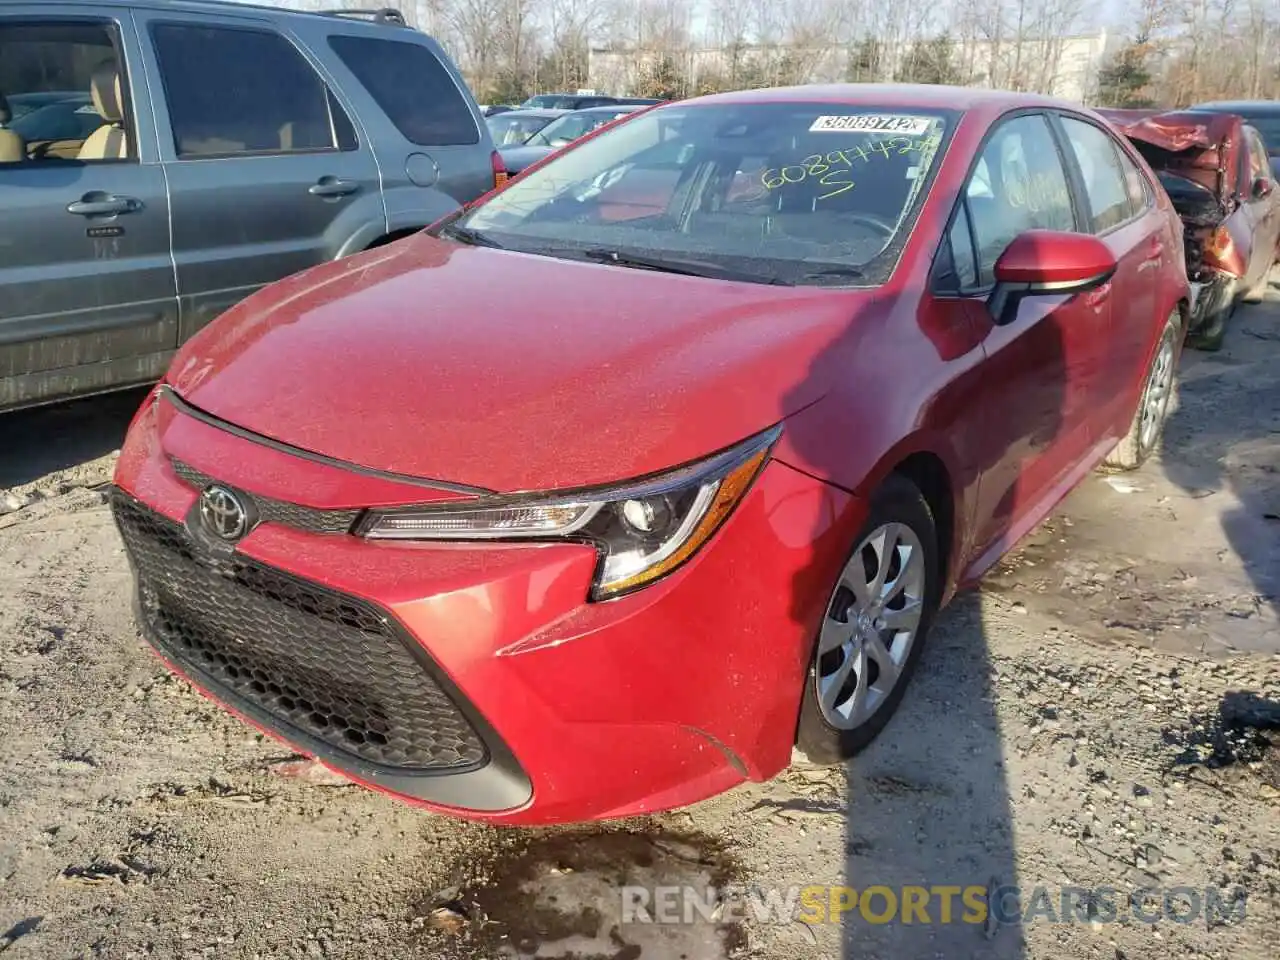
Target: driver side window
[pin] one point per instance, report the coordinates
(1018, 184)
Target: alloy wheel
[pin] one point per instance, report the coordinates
(1156, 398)
(870, 625)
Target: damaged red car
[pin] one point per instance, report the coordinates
(603, 494)
(1217, 172)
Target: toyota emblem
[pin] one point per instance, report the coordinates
(223, 514)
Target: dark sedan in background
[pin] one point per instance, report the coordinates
(581, 101)
(560, 133)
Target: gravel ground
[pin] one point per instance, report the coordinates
(1098, 715)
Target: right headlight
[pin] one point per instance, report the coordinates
(643, 530)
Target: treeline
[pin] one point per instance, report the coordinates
(1169, 52)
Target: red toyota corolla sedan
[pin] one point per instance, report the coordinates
(601, 495)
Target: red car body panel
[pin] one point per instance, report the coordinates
(539, 403)
(563, 680)
(374, 375)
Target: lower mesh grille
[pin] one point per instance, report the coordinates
(327, 664)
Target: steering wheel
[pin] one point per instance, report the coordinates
(875, 223)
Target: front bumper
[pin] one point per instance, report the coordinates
(476, 678)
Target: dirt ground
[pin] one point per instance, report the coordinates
(1097, 715)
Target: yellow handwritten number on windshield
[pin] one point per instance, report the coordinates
(813, 166)
(835, 169)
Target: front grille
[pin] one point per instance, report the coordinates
(318, 661)
(279, 511)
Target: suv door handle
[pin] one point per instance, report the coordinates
(103, 205)
(333, 187)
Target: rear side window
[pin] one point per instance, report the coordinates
(232, 91)
(412, 87)
(1104, 181)
(1136, 184)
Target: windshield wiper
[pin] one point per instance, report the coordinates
(466, 235)
(847, 273)
(686, 268)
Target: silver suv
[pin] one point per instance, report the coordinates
(159, 161)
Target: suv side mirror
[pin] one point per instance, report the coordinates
(1041, 263)
(1262, 187)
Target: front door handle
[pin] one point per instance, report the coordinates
(333, 187)
(103, 205)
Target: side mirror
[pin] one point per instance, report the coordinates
(1043, 263)
(1262, 187)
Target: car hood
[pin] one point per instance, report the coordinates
(510, 371)
(516, 159)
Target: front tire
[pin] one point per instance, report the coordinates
(1211, 332)
(1258, 292)
(1158, 391)
(874, 627)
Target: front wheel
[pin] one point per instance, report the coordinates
(1258, 292)
(1158, 391)
(874, 627)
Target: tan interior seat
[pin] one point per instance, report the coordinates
(109, 141)
(13, 149)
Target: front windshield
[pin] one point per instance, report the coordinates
(512, 131)
(776, 192)
(569, 128)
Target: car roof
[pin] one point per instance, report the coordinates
(910, 95)
(544, 112)
(1256, 107)
(612, 108)
(236, 6)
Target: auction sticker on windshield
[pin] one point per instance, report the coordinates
(871, 123)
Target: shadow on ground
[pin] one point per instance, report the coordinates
(929, 807)
(1223, 439)
(44, 440)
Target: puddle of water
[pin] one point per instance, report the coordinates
(559, 894)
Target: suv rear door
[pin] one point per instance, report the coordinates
(432, 144)
(87, 295)
(268, 174)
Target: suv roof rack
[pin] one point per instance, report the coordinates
(383, 15)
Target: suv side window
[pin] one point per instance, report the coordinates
(236, 90)
(1018, 184)
(63, 94)
(412, 87)
(1104, 181)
